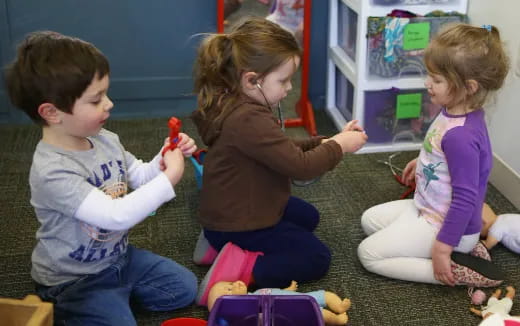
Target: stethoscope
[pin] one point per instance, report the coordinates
(298, 183)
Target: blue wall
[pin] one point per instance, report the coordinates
(151, 46)
(318, 64)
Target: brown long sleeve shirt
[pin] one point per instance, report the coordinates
(248, 167)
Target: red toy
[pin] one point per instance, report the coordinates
(175, 126)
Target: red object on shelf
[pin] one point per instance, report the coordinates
(304, 106)
(184, 322)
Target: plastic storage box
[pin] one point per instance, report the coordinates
(396, 45)
(411, 2)
(266, 310)
(347, 30)
(395, 115)
(344, 95)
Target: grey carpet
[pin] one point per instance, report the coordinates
(357, 183)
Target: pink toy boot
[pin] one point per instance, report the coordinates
(232, 264)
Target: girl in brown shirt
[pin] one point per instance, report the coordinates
(245, 196)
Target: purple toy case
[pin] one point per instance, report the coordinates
(266, 310)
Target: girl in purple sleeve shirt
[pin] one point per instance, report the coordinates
(413, 239)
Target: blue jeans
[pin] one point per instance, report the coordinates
(155, 283)
(291, 250)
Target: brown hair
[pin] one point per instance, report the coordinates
(256, 45)
(52, 68)
(463, 52)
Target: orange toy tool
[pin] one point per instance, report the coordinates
(175, 126)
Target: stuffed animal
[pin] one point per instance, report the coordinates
(503, 228)
(336, 314)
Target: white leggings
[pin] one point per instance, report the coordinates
(399, 242)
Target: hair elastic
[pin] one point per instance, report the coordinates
(487, 27)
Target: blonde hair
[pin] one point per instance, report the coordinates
(256, 45)
(463, 52)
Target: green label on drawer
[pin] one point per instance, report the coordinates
(416, 36)
(408, 106)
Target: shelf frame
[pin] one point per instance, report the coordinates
(356, 70)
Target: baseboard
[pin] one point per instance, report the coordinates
(506, 180)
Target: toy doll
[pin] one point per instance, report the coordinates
(497, 306)
(503, 228)
(337, 315)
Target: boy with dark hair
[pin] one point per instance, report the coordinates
(79, 176)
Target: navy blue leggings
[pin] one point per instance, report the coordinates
(291, 250)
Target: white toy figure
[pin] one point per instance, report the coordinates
(497, 306)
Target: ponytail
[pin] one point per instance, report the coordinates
(215, 77)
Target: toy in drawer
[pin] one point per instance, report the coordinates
(395, 115)
(347, 30)
(266, 310)
(396, 45)
(412, 2)
(344, 95)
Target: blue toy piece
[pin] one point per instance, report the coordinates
(198, 160)
(222, 322)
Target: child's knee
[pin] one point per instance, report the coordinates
(366, 254)
(319, 261)
(368, 221)
(173, 292)
(189, 290)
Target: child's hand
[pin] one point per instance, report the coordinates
(350, 141)
(409, 172)
(173, 163)
(441, 260)
(186, 144)
(353, 126)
